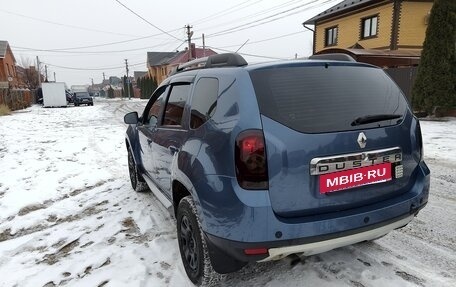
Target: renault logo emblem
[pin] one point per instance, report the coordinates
(362, 140)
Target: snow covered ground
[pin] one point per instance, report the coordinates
(68, 216)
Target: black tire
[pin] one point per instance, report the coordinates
(137, 182)
(193, 247)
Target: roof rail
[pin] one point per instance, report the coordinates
(193, 64)
(218, 60)
(333, 56)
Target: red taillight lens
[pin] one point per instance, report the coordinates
(251, 164)
(256, 251)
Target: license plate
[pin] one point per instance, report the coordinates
(346, 179)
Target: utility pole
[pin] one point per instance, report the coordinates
(189, 39)
(54, 78)
(46, 72)
(38, 69)
(204, 47)
(128, 79)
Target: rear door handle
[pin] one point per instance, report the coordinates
(173, 149)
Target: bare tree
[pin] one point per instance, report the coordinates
(29, 73)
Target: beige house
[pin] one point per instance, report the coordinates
(372, 24)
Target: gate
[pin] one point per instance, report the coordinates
(404, 78)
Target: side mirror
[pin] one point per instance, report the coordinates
(131, 118)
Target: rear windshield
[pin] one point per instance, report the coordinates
(317, 99)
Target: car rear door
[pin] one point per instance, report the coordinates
(148, 128)
(171, 133)
(338, 136)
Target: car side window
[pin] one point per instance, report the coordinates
(151, 115)
(175, 106)
(204, 101)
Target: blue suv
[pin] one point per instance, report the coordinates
(257, 162)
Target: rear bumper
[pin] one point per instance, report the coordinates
(306, 245)
(246, 221)
(329, 244)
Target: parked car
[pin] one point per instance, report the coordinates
(257, 162)
(69, 96)
(82, 98)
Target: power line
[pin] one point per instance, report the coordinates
(108, 52)
(183, 42)
(227, 11)
(89, 52)
(266, 19)
(91, 46)
(142, 38)
(156, 27)
(61, 24)
(245, 54)
(94, 69)
(21, 49)
(268, 39)
(250, 16)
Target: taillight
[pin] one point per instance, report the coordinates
(251, 164)
(419, 139)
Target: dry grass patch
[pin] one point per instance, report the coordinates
(4, 110)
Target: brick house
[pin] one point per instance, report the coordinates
(8, 73)
(160, 64)
(372, 24)
(385, 33)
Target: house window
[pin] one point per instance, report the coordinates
(369, 27)
(331, 36)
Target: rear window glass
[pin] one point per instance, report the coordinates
(317, 99)
(175, 107)
(204, 101)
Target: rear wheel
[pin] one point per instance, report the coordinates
(193, 247)
(137, 182)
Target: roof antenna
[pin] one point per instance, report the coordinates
(242, 45)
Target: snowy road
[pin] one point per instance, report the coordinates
(68, 216)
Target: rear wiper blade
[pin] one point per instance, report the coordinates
(374, 118)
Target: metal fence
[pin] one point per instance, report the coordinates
(404, 78)
(16, 99)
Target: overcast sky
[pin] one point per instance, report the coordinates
(89, 37)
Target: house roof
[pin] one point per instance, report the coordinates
(139, 74)
(3, 48)
(175, 58)
(381, 58)
(159, 58)
(183, 56)
(375, 52)
(343, 6)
